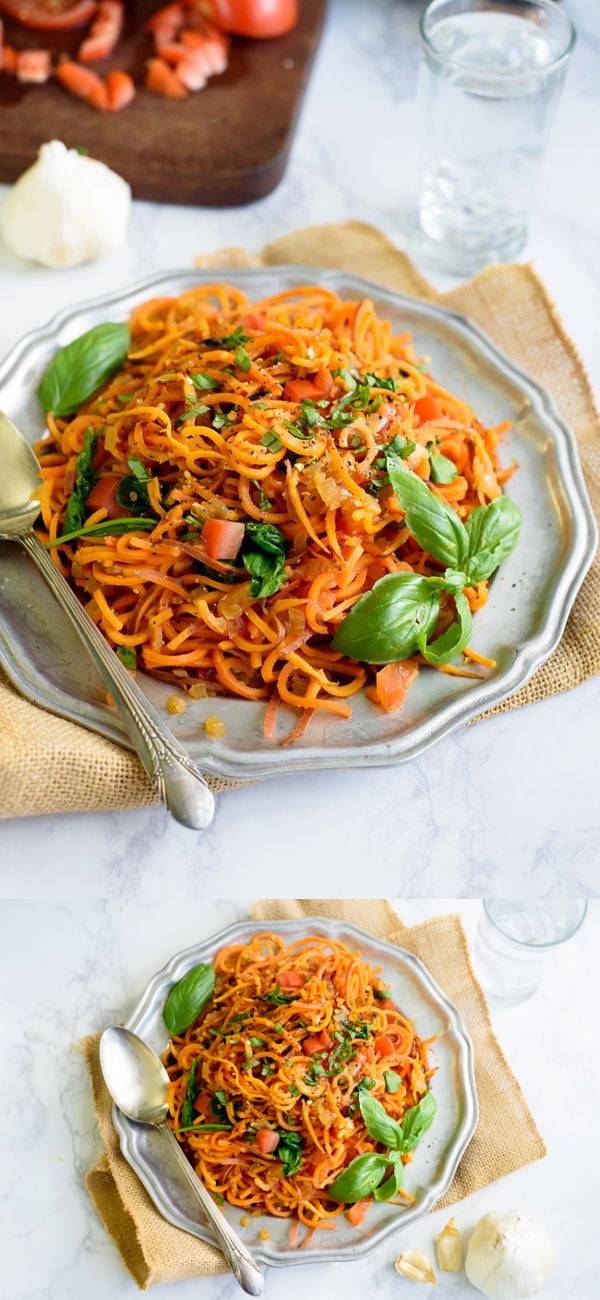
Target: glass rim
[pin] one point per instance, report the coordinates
(547, 6)
(525, 943)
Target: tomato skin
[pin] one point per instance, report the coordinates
(44, 18)
(325, 382)
(290, 979)
(255, 18)
(384, 1046)
(428, 408)
(103, 497)
(267, 1141)
(222, 538)
(253, 321)
(301, 390)
(392, 681)
(356, 1213)
(202, 1104)
(317, 1043)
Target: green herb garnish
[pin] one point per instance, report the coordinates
(77, 371)
(188, 997)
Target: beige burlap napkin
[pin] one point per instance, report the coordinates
(506, 1137)
(49, 765)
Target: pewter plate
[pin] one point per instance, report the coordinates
(519, 627)
(436, 1158)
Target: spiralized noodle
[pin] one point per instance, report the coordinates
(192, 620)
(284, 1044)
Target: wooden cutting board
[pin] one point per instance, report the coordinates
(226, 145)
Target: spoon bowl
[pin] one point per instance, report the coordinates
(134, 1075)
(19, 480)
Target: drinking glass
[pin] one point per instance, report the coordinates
(490, 80)
(515, 939)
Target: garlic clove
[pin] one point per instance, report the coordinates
(509, 1256)
(448, 1245)
(415, 1265)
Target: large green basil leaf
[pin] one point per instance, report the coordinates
(434, 525)
(454, 639)
(392, 1184)
(379, 1124)
(386, 623)
(77, 370)
(187, 998)
(417, 1121)
(493, 532)
(360, 1179)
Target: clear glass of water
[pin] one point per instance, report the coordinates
(490, 80)
(515, 939)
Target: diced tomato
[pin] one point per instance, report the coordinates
(253, 321)
(104, 33)
(392, 681)
(166, 22)
(50, 15)
(384, 1046)
(8, 59)
(255, 18)
(325, 382)
(202, 1104)
(356, 1212)
(103, 496)
(120, 89)
(388, 1005)
(222, 538)
(83, 82)
(428, 408)
(33, 66)
(301, 390)
(317, 1043)
(290, 979)
(267, 1141)
(161, 79)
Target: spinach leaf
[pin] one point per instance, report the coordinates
(436, 527)
(443, 470)
(360, 1179)
(227, 340)
(77, 370)
(106, 528)
(187, 998)
(289, 1151)
(127, 656)
(392, 1081)
(492, 533)
(391, 1184)
(132, 491)
(187, 1110)
(263, 557)
(278, 999)
(454, 639)
(84, 481)
(416, 1122)
(386, 623)
(379, 1124)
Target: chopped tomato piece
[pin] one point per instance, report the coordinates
(82, 82)
(120, 90)
(222, 538)
(267, 1141)
(161, 79)
(103, 496)
(384, 1046)
(317, 1043)
(356, 1213)
(104, 32)
(202, 1103)
(50, 15)
(8, 59)
(428, 408)
(392, 681)
(255, 18)
(290, 979)
(301, 390)
(325, 382)
(33, 66)
(388, 1005)
(253, 321)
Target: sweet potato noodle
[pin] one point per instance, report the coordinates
(290, 1035)
(272, 413)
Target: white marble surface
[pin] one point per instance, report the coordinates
(507, 806)
(72, 967)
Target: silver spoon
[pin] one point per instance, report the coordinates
(176, 780)
(137, 1081)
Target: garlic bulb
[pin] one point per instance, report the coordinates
(510, 1256)
(66, 209)
(449, 1248)
(415, 1265)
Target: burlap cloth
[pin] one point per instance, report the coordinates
(49, 765)
(505, 1140)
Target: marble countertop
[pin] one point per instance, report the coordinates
(74, 967)
(486, 810)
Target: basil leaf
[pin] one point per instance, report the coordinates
(187, 998)
(263, 557)
(359, 1180)
(138, 469)
(289, 1151)
(454, 639)
(126, 655)
(379, 1124)
(84, 481)
(227, 341)
(443, 470)
(391, 1184)
(392, 1081)
(434, 525)
(492, 532)
(78, 370)
(386, 623)
(243, 359)
(132, 494)
(416, 1122)
(204, 381)
(106, 528)
(187, 1110)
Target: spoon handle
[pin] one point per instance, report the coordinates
(176, 780)
(245, 1271)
